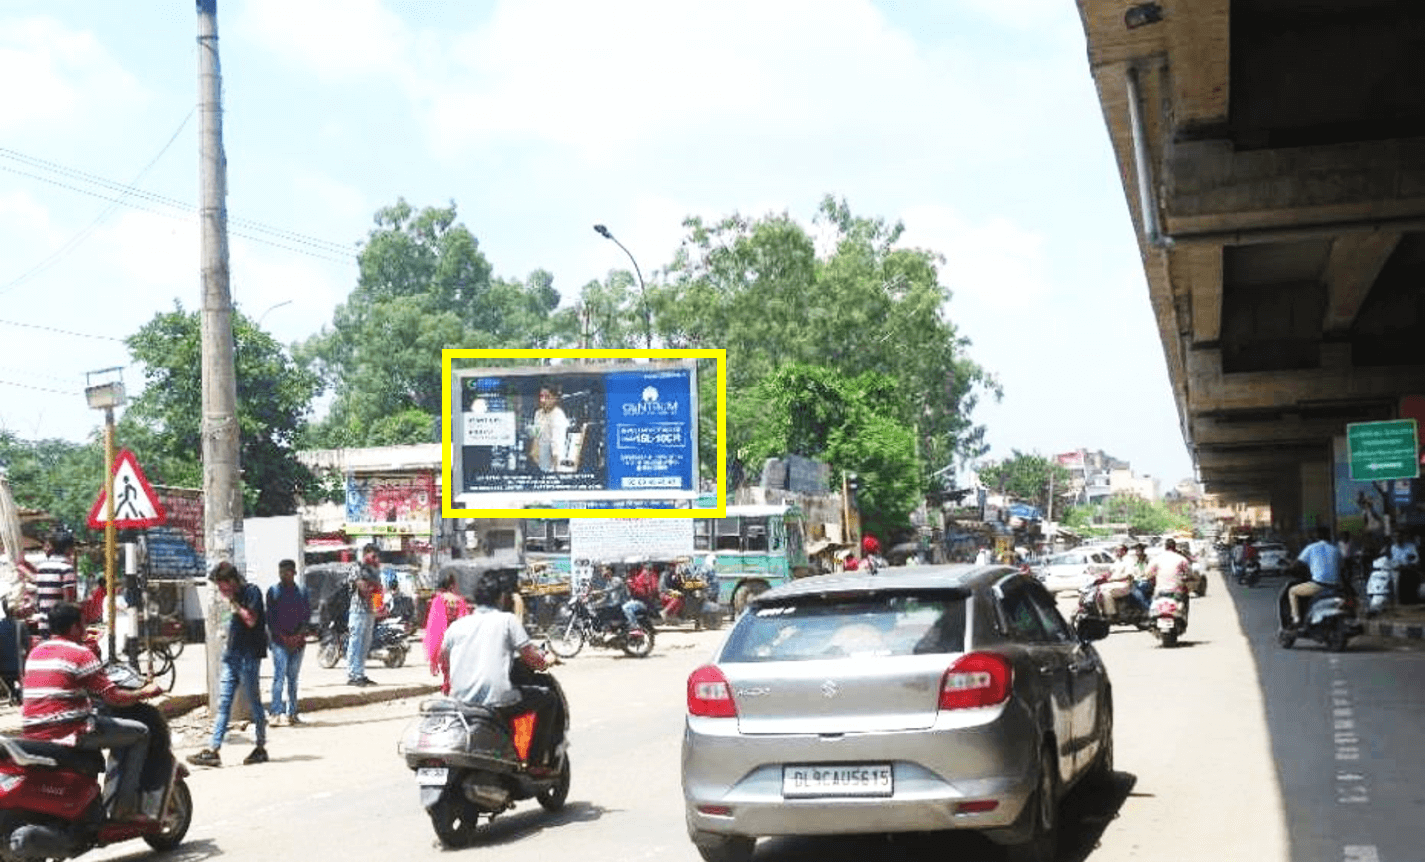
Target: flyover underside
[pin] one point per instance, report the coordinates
(1280, 214)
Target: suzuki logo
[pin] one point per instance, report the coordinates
(829, 689)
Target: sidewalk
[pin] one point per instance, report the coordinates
(1402, 621)
(318, 687)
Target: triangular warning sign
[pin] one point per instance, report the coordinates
(135, 503)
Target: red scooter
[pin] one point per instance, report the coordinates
(51, 804)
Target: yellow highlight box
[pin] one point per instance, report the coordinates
(447, 508)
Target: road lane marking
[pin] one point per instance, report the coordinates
(1360, 853)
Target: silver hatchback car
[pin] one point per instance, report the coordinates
(949, 697)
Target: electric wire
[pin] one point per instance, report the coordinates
(59, 331)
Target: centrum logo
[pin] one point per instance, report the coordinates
(650, 405)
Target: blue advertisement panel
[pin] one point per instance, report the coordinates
(576, 432)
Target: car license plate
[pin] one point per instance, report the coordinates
(432, 776)
(845, 779)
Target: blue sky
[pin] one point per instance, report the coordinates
(975, 122)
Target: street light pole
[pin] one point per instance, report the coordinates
(642, 290)
(271, 308)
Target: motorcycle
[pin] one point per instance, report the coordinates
(1169, 617)
(1131, 610)
(1330, 618)
(577, 624)
(51, 804)
(470, 762)
(1380, 585)
(390, 642)
(697, 608)
(1249, 572)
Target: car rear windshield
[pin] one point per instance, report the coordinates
(810, 627)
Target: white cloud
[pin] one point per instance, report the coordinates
(994, 263)
(333, 39)
(53, 74)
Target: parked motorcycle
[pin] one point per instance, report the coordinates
(1169, 615)
(390, 642)
(1381, 585)
(51, 804)
(1330, 618)
(577, 624)
(470, 762)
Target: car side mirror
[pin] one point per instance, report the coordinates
(1092, 629)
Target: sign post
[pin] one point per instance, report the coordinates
(127, 502)
(1383, 450)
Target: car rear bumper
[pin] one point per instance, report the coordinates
(732, 784)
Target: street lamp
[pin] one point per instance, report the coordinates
(104, 390)
(642, 291)
(263, 316)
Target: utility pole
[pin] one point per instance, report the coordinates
(222, 495)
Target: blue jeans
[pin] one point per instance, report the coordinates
(285, 667)
(239, 671)
(630, 612)
(358, 644)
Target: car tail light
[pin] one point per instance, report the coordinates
(976, 679)
(709, 695)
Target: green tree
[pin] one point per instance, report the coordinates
(424, 285)
(850, 423)
(54, 476)
(759, 288)
(1031, 478)
(274, 396)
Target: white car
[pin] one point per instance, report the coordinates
(1273, 556)
(1071, 570)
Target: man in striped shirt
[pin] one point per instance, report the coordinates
(61, 675)
(54, 580)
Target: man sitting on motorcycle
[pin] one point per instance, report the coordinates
(61, 675)
(613, 593)
(1169, 571)
(1324, 560)
(671, 588)
(477, 656)
(1116, 584)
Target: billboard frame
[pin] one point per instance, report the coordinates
(448, 422)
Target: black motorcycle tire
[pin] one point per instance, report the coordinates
(455, 820)
(1337, 636)
(552, 800)
(176, 819)
(1251, 577)
(639, 647)
(567, 637)
(1169, 638)
(395, 656)
(1286, 639)
(330, 653)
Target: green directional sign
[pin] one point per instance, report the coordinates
(1383, 450)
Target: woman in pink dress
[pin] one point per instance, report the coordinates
(446, 606)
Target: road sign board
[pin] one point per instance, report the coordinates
(135, 503)
(1383, 450)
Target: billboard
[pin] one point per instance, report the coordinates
(390, 505)
(521, 437)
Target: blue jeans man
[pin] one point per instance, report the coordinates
(361, 626)
(285, 667)
(630, 612)
(239, 672)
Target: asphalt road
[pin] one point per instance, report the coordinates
(1346, 737)
(1200, 754)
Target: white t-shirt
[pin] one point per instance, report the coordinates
(481, 646)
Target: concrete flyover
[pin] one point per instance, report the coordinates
(1273, 157)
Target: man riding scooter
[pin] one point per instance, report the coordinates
(1323, 559)
(1116, 584)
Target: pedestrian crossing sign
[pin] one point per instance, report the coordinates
(135, 504)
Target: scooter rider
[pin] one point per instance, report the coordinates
(1142, 592)
(1169, 571)
(60, 676)
(477, 655)
(1117, 585)
(1323, 558)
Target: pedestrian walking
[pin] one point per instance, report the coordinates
(446, 606)
(289, 614)
(361, 624)
(242, 661)
(54, 579)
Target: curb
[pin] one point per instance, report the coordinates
(183, 704)
(1406, 631)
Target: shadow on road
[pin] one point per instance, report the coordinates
(532, 820)
(189, 851)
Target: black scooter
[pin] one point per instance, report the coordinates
(1329, 618)
(471, 761)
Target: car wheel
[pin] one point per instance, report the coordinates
(724, 848)
(1042, 844)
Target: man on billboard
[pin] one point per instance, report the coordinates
(549, 431)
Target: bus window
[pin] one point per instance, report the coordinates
(536, 539)
(561, 536)
(756, 533)
(779, 529)
(729, 534)
(702, 534)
